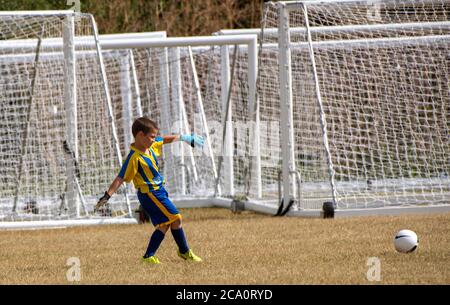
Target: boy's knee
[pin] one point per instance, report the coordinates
(176, 224)
(163, 228)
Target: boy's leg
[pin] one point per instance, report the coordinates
(164, 213)
(158, 235)
(155, 241)
(179, 236)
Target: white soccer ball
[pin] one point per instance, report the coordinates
(406, 241)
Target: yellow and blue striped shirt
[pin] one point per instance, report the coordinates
(142, 168)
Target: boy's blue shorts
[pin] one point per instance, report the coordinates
(159, 207)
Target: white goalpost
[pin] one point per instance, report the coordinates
(363, 90)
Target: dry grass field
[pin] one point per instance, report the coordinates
(244, 248)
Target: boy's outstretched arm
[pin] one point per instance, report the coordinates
(171, 138)
(193, 140)
(112, 189)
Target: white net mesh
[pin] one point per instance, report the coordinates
(383, 74)
(164, 80)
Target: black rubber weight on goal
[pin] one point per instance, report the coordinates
(328, 209)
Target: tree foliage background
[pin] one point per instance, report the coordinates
(176, 17)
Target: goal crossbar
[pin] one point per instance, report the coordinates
(292, 5)
(37, 13)
(343, 28)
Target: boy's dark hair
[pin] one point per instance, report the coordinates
(143, 124)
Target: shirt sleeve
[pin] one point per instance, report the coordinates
(157, 146)
(129, 168)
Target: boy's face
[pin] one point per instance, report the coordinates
(147, 139)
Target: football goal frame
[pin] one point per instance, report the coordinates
(291, 32)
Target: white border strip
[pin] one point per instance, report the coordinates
(445, 25)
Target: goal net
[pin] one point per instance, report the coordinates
(183, 84)
(58, 149)
(368, 87)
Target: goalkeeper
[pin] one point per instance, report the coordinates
(141, 167)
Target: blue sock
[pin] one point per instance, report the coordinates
(180, 239)
(155, 241)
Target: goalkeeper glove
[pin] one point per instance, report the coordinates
(102, 201)
(193, 140)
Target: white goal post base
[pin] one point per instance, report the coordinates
(60, 224)
(271, 208)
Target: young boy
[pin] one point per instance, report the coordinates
(141, 167)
